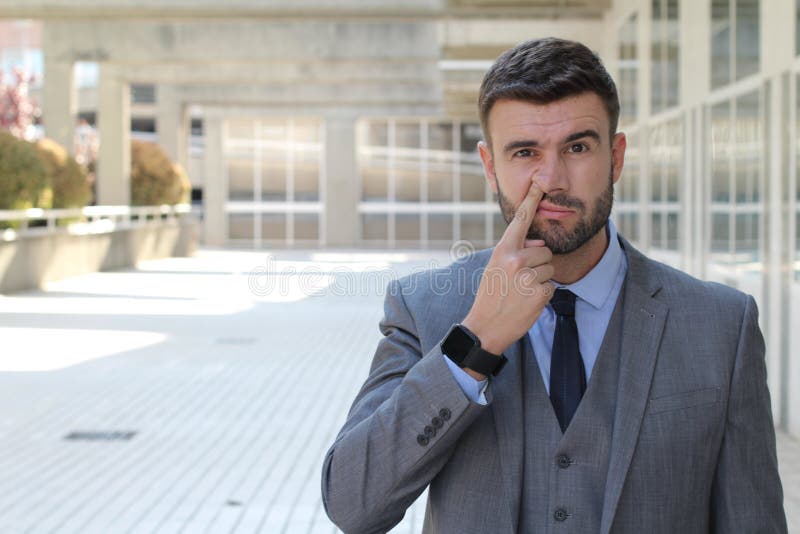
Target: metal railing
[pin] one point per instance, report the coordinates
(87, 220)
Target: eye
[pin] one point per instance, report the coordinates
(577, 148)
(524, 153)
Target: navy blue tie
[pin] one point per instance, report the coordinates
(567, 374)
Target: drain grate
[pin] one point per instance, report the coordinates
(100, 435)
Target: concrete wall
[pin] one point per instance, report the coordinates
(33, 260)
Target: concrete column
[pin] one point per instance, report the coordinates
(776, 57)
(114, 157)
(340, 193)
(695, 84)
(215, 224)
(172, 123)
(60, 102)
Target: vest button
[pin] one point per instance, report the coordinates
(564, 461)
(560, 515)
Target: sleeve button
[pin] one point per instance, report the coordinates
(429, 431)
(437, 422)
(422, 440)
(445, 414)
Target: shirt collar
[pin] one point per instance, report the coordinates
(596, 286)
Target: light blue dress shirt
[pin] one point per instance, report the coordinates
(597, 294)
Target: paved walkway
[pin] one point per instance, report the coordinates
(190, 396)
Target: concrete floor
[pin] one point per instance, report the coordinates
(203, 393)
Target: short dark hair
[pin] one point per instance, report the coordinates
(543, 71)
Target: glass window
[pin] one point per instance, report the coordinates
(720, 152)
(473, 184)
(306, 226)
(374, 227)
(240, 179)
(720, 232)
(273, 226)
(735, 40)
(407, 183)
(241, 225)
(440, 227)
(747, 38)
(473, 228)
(628, 61)
(664, 55)
(407, 227)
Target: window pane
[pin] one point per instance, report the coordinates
(407, 183)
(374, 227)
(499, 226)
(720, 43)
(306, 226)
(470, 135)
(440, 184)
(374, 184)
(240, 225)
(240, 179)
(407, 134)
(720, 232)
(747, 38)
(306, 182)
(473, 184)
(407, 227)
(628, 70)
(672, 231)
(440, 227)
(473, 228)
(273, 226)
(747, 236)
(656, 234)
(720, 152)
(748, 136)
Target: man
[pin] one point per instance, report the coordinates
(578, 386)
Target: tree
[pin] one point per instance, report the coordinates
(17, 109)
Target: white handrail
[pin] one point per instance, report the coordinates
(87, 220)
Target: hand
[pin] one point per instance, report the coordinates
(515, 287)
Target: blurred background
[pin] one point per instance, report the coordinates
(343, 133)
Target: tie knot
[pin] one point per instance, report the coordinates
(563, 302)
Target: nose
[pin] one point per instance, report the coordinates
(550, 174)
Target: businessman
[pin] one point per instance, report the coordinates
(574, 386)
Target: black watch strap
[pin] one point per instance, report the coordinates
(464, 348)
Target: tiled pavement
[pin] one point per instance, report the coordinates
(233, 383)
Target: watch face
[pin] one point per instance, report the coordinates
(457, 344)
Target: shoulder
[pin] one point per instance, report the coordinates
(459, 278)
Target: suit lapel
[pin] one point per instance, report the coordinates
(643, 325)
(507, 399)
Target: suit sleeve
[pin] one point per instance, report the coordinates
(747, 496)
(400, 432)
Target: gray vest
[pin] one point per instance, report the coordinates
(564, 475)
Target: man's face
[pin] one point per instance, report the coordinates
(564, 148)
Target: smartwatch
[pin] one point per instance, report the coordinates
(464, 348)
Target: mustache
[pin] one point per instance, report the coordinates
(565, 201)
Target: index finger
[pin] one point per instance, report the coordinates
(518, 227)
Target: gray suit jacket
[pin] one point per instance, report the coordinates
(693, 446)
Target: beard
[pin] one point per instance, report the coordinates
(558, 238)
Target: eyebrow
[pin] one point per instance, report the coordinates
(525, 143)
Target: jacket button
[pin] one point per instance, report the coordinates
(444, 413)
(560, 515)
(422, 440)
(429, 431)
(564, 461)
(437, 422)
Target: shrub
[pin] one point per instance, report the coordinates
(155, 179)
(67, 178)
(23, 176)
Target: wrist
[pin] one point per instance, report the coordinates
(488, 342)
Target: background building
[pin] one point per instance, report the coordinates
(353, 124)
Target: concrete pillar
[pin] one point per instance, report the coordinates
(695, 83)
(215, 224)
(777, 28)
(172, 123)
(114, 156)
(341, 195)
(60, 102)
